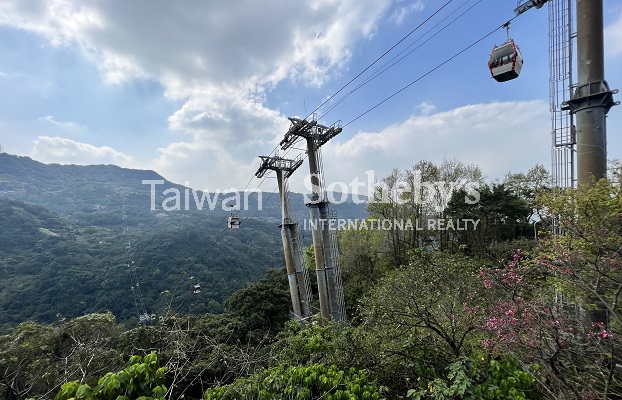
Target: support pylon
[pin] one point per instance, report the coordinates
(297, 273)
(590, 104)
(592, 98)
(329, 283)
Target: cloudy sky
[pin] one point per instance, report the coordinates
(197, 89)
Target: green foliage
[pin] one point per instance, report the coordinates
(326, 343)
(361, 264)
(263, 307)
(63, 249)
(53, 268)
(431, 300)
(143, 379)
(528, 185)
(502, 380)
(417, 317)
(312, 382)
(35, 358)
(502, 216)
(581, 264)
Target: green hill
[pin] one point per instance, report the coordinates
(65, 230)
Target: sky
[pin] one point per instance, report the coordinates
(198, 89)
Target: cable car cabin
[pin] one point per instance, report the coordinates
(234, 221)
(196, 289)
(505, 62)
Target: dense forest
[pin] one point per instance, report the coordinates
(523, 305)
(65, 231)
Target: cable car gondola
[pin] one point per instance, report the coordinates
(506, 61)
(234, 221)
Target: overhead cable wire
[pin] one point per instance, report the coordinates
(381, 57)
(389, 64)
(430, 72)
(362, 72)
(365, 70)
(381, 71)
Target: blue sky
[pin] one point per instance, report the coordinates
(196, 90)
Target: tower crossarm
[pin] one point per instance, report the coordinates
(327, 133)
(302, 128)
(278, 163)
(529, 4)
(298, 128)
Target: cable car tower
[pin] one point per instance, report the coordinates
(578, 110)
(563, 138)
(561, 85)
(297, 273)
(325, 249)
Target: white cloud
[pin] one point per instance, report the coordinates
(2, 74)
(613, 38)
(66, 151)
(499, 137)
(219, 58)
(64, 125)
(401, 12)
(198, 41)
(427, 108)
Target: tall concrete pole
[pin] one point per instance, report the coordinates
(590, 104)
(592, 99)
(297, 274)
(287, 246)
(316, 230)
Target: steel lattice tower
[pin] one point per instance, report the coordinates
(561, 85)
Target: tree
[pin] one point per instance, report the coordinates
(85, 345)
(420, 194)
(263, 307)
(575, 268)
(316, 381)
(143, 379)
(421, 317)
(430, 301)
(585, 259)
(528, 185)
(525, 318)
(36, 359)
(361, 252)
(22, 359)
(501, 216)
(589, 252)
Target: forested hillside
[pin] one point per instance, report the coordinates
(53, 268)
(65, 231)
(523, 303)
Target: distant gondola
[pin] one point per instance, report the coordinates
(234, 221)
